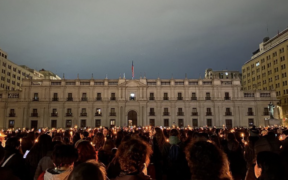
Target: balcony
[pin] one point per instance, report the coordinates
(12, 114)
(193, 98)
(98, 114)
(151, 113)
(112, 98)
(180, 113)
(165, 113)
(54, 114)
(266, 113)
(35, 99)
(165, 98)
(151, 98)
(227, 98)
(179, 98)
(194, 113)
(207, 98)
(228, 113)
(112, 113)
(84, 99)
(55, 99)
(98, 98)
(34, 114)
(250, 113)
(83, 114)
(68, 114)
(208, 113)
(70, 99)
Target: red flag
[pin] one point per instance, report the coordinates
(132, 70)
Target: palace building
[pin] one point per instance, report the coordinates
(266, 70)
(114, 102)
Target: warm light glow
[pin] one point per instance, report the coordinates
(132, 95)
(36, 140)
(105, 139)
(167, 140)
(242, 135)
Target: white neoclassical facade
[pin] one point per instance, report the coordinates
(159, 102)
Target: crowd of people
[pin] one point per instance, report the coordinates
(145, 153)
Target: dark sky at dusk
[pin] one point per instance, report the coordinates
(162, 37)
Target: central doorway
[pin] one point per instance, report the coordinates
(132, 115)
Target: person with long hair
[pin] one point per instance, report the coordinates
(133, 156)
(86, 152)
(37, 152)
(159, 141)
(88, 171)
(63, 158)
(98, 140)
(207, 161)
(269, 166)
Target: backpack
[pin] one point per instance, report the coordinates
(174, 152)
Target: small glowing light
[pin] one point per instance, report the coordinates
(242, 135)
(226, 73)
(36, 140)
(132, 95)
(105, 139)
(167, 140)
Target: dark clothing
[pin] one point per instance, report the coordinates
(7, 174)
(133, 176)
(16, 164)
(176, 169)
(267, 144)
(113, 169)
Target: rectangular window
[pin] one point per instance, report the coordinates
(227, 97)
(207, 96)
(194, 112)
(165, 96)
(98, 112)
(208, 112)
(112, 123)
(194, 97)
(266, 112)
(113, 97)
(209, 122)
(112, 113)
(228, 112)
(151, 97)
(180, 112)
(98, 98)
(11, 123)
(68, 123)
(83, 123)
(251, 122)
(84, 97)
(69, 112)
(229, 123)
(152, 112)
(53, 123)
(152, 122)
(195, 122)
(179, 97)
(83, 112)
(166, 122)
(35, 97)
(70, 97)
(180, 123)
(166, 112)
(97, 123)
(55, 97)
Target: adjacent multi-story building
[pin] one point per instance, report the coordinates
(222, 74)
(266, 70)
(13, 74)
(121, 102)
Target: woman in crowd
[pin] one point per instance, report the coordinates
(98, 140)
(86, 152)
(269, 166)
(63, 158)
(207, 162)
(46, 162)
(37, 152)
(88, 171)
(234, 152)
(133, 156)
(105, 154)
(159, 142)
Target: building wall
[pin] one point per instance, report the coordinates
(268, 70)
(23, 102)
